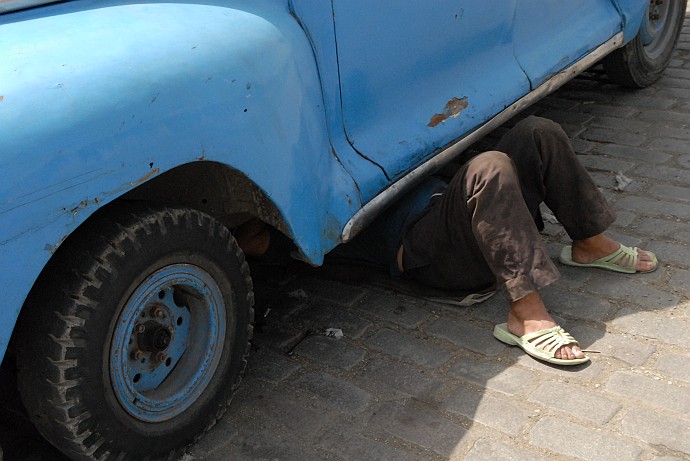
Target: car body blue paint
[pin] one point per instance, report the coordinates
(633, 14)
(321, 104)
(317, 20)
(551, 35)
(397, 74)
(83, 122)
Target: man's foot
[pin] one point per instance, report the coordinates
(529, 315)
(600, 246)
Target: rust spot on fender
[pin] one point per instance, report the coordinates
(452, 110)
(145, 177)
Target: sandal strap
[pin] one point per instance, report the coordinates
(624, 257)
(550, 340)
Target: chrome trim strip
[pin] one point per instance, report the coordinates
(378, 204)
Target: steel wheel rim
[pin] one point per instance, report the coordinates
(160, 370)
(655, 30)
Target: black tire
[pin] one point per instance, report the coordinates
(642, 61)
(74, 334)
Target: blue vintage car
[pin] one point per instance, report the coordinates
(136, 136)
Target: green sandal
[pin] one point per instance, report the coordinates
(622, 260)
(541, 344)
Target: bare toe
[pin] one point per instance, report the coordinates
(646, 261)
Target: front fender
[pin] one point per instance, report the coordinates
(97, 97)
(632, 13)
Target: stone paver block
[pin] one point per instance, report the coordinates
(497, 413)
(335, 392)
(665, 174)
(580, 146)
(658, 429)
(654, 207)
(674, 146)
(663, 116)
(678, 93)
(496, 376)
(645, 102)
(624, 218)
(418, 350)
(613, 136)
(467, 335)
(663, 228)
(684, 161)
(572, 278)
(599, 162)
(394, 308)
(268, 365)
(283, 336)
(609, 344)
(679, 73)
(671, 330)
(322, 317)
(264, 406)
(568, 117)
(671, 252)
(608, 110)
(581, 402)
(681, 281)
(402, 377)
(679, 132)
(670, 82)
(259, 447)
(574, 373)
(494, 310)
(330, 351)
(575, 304)
(581, 442)
(333, 291)
(487, 449)
(417, 424)
(617, 123)
(355, 447)
(638, 154)
(631, 289)
(676, 366)
(650, 391)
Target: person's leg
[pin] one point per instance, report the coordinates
(550, 172)
(482, 231)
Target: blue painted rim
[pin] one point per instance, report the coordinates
(656, 30)
(167, 342)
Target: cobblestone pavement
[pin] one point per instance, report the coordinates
(417, 380)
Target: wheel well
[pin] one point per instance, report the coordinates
(216, 189)
(213, 188)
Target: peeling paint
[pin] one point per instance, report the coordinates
(82, 204)
(145, 177)
(452, 110)
(53, 248)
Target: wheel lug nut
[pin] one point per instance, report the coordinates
(141, 328)
(160, 357)
(157, 312)
(136, 354)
